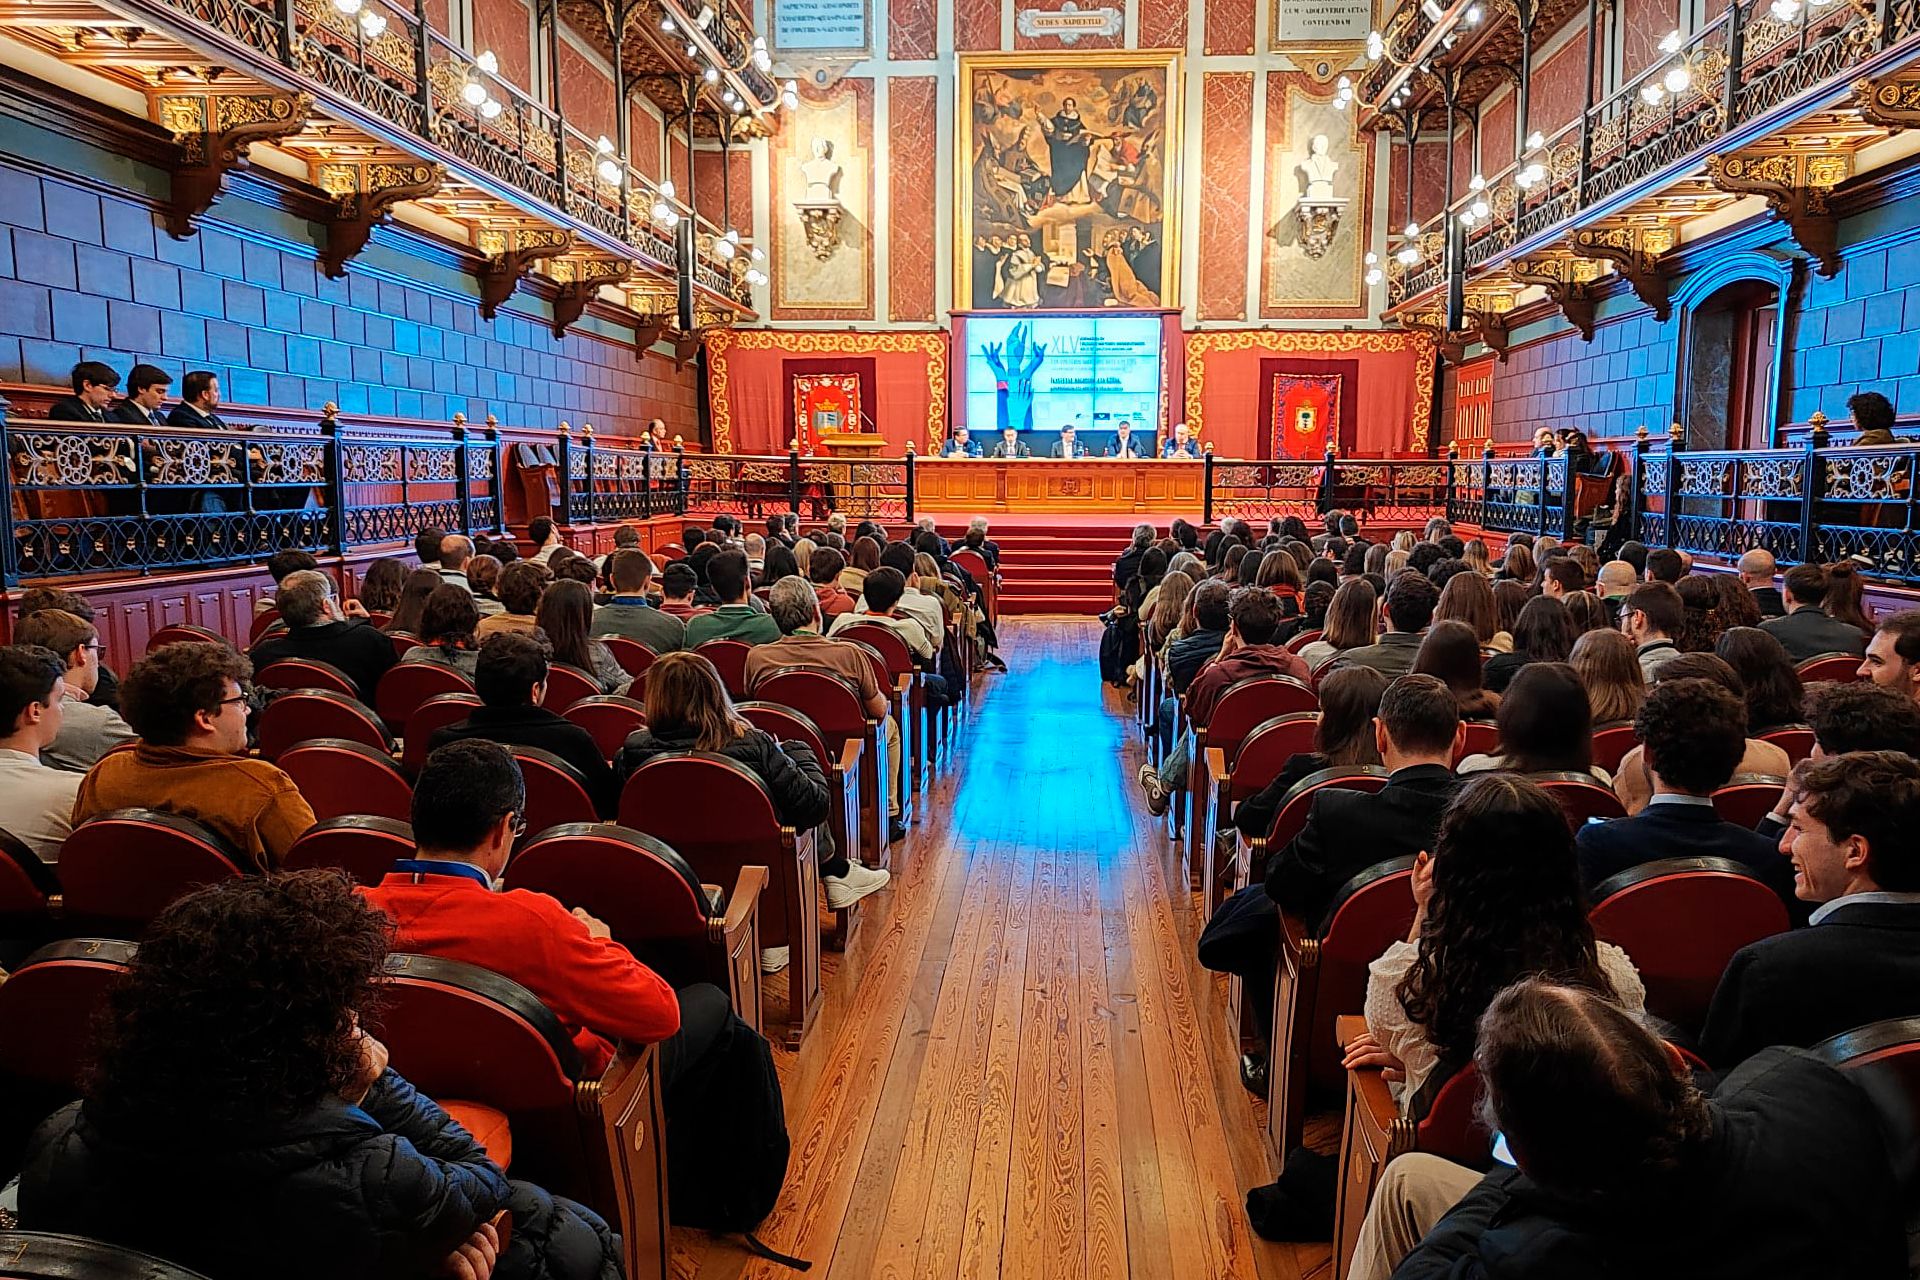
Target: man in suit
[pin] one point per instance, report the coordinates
(1693, 733)
(93, 387)
(1893, 655)
(1181, 444)
(199, 397)
(1411, 600)
(511, 678)
(1123, 443)
(1808, 629)
(316, 630)
(1068, 445)
(1011, 445)
(961, 444)
(1757, 571)
(1851, 847)
(1253, 619)
(146, 392)
(1650, 615)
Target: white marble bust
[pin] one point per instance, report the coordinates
(1320, 169)
(820, 173)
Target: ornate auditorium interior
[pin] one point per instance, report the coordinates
(1156, 639)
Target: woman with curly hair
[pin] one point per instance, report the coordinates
(239, 1120)
(1734, 605)
(447, 630)
(1483, 920)
(380, 588)
(1699, 629)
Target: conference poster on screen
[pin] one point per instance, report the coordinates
(1040, 373)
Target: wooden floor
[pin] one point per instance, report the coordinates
(1020, 1069)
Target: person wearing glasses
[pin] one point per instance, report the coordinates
(87, 730)
(188, 702)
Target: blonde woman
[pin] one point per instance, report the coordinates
(1396, 561)
(803, 555)
(1477, 558)
(1405, 541)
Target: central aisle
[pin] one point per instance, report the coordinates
(1020, 1069)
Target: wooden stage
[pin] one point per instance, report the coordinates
(979, 486)
(1020, 1069)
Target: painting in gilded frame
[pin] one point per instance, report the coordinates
(1068, 181)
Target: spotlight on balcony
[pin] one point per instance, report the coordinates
(372, 24)
(348, 7)
(1476, 183)
(1536, 140)
(693, 50)
(666, 25)
(1479, 209)
(712, 75)
(473, 92)
(704, 18)
(609, 172)
(1376, 46)
(491, 108)
(1408, 257)
(1652, 94)
(1671, 42)
(722, 248)
(487, 62)
(1373, 276)
(1433, 10)
(1677, 78)
(1472, 16)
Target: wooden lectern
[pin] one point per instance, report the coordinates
(852, 444)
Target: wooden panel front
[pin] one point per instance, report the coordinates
(1041, 485)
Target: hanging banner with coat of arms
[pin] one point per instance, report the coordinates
(1306, 407)
(826, 403)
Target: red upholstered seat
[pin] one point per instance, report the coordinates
(1451, 1129)
(263, 622)
(836, 710)
(1748, 797)
(340, 778)
(1794, 739)
(1295, 805)
(556, 791)
(1482, 738)
(363, 846)
(610, 717)
(671, 551)
(305, 673)
(1843, 668)
(405, 686)
(1266, 750)
(1251, 702)
(1883, 1059)
(1302, 640)
(488, 1126)
(379, 620)
(402, 642)
(25, 885)
(634, 658)
(120, 870)
(1722, 905)
(184, 632)
(1611, 743)
(729, 658)
(567, 685)
(976, 566)
(1580, 796)
(299, 715)
(435, 713)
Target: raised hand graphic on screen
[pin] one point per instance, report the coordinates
(1013, 368)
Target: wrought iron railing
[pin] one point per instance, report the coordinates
(756, 486)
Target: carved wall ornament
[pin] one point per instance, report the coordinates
(580, 280)
(1892, 102)
(510, 255)
(1797, 186)
(932, 345)
(215, 129)
(365, 193)
(1569, 285)
(1635, 252)
(1289, 342)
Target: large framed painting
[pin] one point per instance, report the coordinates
(1068, 174)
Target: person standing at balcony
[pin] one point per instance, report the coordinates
(93, 388)
(146, 392)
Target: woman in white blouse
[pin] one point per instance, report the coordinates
(1497, 900)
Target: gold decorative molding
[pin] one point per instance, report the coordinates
(510, 254)
(1290, 342)
(580, 279)
(1635, 252)
(720, 342)
(364, 194)
(1569, 283)
(215, 129)
(1797, 186)
(1891, 102)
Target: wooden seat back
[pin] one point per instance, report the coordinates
(1253, 701)
(262, 623)
(824, 699)
(1302, 640)
(1611, 743)
(184, 633)
(1482, 738)
(436, 713)
(566, 685)
(408, 684)
(729, 658)
(339, 778)
(1748, 797)
(300, 715)
(26, 884)
(362, 845)
(1794, 739)
(634, 658)
(610, 717)
(305, 673)
(1268, 747)
(557, 792)
(122, 869)
(1842, 668)
(1883, 1060)
(1580, 796)
(1298, 802)
(42, 1255)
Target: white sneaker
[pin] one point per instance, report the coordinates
(844, 891)
(773, 959)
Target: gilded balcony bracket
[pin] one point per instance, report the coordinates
(1450, 343)
(364, 193)
(215, 128)
(1892, 102)
(1798, 186)
(510, 255)
(1489, 325)
(1568, 283)
(655, 308)
(1635, 252)
(580, 280)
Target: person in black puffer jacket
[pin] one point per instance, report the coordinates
(239, 1122)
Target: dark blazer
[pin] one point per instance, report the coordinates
(1127, 566)
(531, 726)
(1793, 1183)
(1500, 670)
(1349, 831)
(1860, 964)
(1809, 631)
(185, 415)
(71, 409)
(1254, 816)
(954, 449)
(358, 648)
(1677, 831)
(126, 411)
(1768, 598)
(1188, 654)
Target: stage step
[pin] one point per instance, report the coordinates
(1054, 566)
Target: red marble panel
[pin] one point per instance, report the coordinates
(1555, 100)
(586, 94)
(1643, 24)
(506, 27)
(1462, 159)
(1226, 203)
(1229, 27)
(976, 25)
(1496, 135)
(645, 141)
(1082, 42)
(1163, 24)
(910, 28)
(738, 188)
(437, 15)
(1351, 150)
(1429, 182)
(677, 162)
(912, 106)
(1396, 181)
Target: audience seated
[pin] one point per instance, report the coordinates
(1451, 652)
(414, 593)
(1774, 694)
(511, 679)
(1851, 846)
(565, 617)
(1633, 781)
(94, 384)
(456, 552)
(1651, 617)
(823, 571)
(36, 802)
(545, 537)
(630, 613)
(87, 730)
(1542, 633)
(1344, 737)
(1893, 654)
(1352, 622)
(678, 584)
(1619, 1159)
(282, 565)
(483, 575)
(234, 1075)
(688, 710)
(880, 603)
(925, 609)
(735, 618)
(519, 587)
(1546, 726)
(795, 609)
(1692, 734)
(106, 691)
(1408, 608)
(1853, 717)
(1757, 572)
(1610, 673)
(316, 631)
(380, 585)
(188, 703)
(1808, 630)
(1665, 565)
(448, 627)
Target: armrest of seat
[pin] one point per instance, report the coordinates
(849, 757)
(742, 906)
(1217, 772)
(1296, 937)
(627, 1106)
(1376, 1114)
